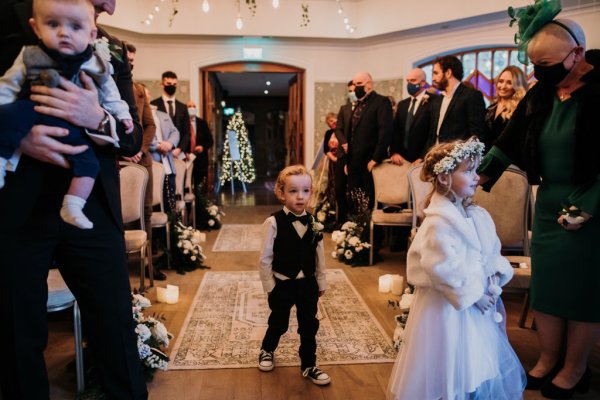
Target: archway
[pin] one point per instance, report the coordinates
(211, 95)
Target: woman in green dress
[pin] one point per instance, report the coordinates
(554, 135)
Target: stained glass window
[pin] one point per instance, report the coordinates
(482, 67)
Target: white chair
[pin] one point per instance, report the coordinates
(520, 284)
(180, 170)
(419, 190)
(134, 179)
(391, 188)
(60, 298)
(160, 219)
(509, 202)
(190, 195)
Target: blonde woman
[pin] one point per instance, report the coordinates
(511, 86)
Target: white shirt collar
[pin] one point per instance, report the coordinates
(287, 211)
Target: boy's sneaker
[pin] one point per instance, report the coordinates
(317, 376)
(265, 361)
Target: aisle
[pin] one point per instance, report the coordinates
(349, 382)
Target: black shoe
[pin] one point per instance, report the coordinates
(158, 276)
(535, 383)
(317, 376)
(266, 361)
(551, 391)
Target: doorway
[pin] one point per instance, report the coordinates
(271, 99)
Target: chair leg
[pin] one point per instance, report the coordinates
(142, 287)
(78, 348)
(194, 213)
(524, 311)
(371, 243)
(150, 265)
(168, 230)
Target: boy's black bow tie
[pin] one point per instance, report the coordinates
(303, 219)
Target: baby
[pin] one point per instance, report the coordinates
(66, 30)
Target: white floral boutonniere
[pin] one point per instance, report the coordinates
(317, 229)
(106, 50)
(425, 99)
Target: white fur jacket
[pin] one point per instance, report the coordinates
(450, 256)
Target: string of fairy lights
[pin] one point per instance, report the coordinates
(239, 22)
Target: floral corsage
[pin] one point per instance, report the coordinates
(106, 50)
(317, 229)
(572, 216)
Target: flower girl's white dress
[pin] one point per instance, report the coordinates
(450, 350)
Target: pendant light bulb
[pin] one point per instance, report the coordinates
(205, 6)
(239, 24)
(275, 3)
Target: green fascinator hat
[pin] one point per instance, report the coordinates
(530, 20)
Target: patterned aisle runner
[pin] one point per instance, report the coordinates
(228, 318)
(238, 237)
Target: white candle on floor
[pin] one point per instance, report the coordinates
(397, 284)
(385, 283)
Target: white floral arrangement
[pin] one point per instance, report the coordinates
(189, 240)
(214, 216)
(470, 149)
(348, 246)
(152, 336)
(404, 305)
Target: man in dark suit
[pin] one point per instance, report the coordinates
(177, 111)
(412, 123)
(341, 132)
(371, 129)
(32, 235)
(201, 141)
(460, 113)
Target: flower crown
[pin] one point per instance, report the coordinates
(470, 149)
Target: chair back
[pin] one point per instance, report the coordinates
(419, 191)
(509, 203)
(391, 184)
(180, 169)
(158, 184)
(134, 179)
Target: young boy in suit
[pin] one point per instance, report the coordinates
(292, 270)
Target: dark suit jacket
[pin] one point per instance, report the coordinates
(205, 139)
(181, 120)
(342, 130)
(32, 177)
(464, 117)
(420, 128)
(372, 135)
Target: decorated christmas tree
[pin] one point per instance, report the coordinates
(237, 164)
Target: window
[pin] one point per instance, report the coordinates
(482, 67)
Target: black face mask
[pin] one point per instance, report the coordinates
(170, 89)
(360, 92)
(551, 74)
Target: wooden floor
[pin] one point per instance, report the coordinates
(349, 382)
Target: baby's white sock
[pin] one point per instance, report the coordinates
(2, 171)
(72, 212)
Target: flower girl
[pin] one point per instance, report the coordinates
(455, 346)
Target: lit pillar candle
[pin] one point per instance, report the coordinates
(385, 283)
(169, 295)
(397, 284)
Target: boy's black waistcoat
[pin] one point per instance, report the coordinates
(292, 254)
